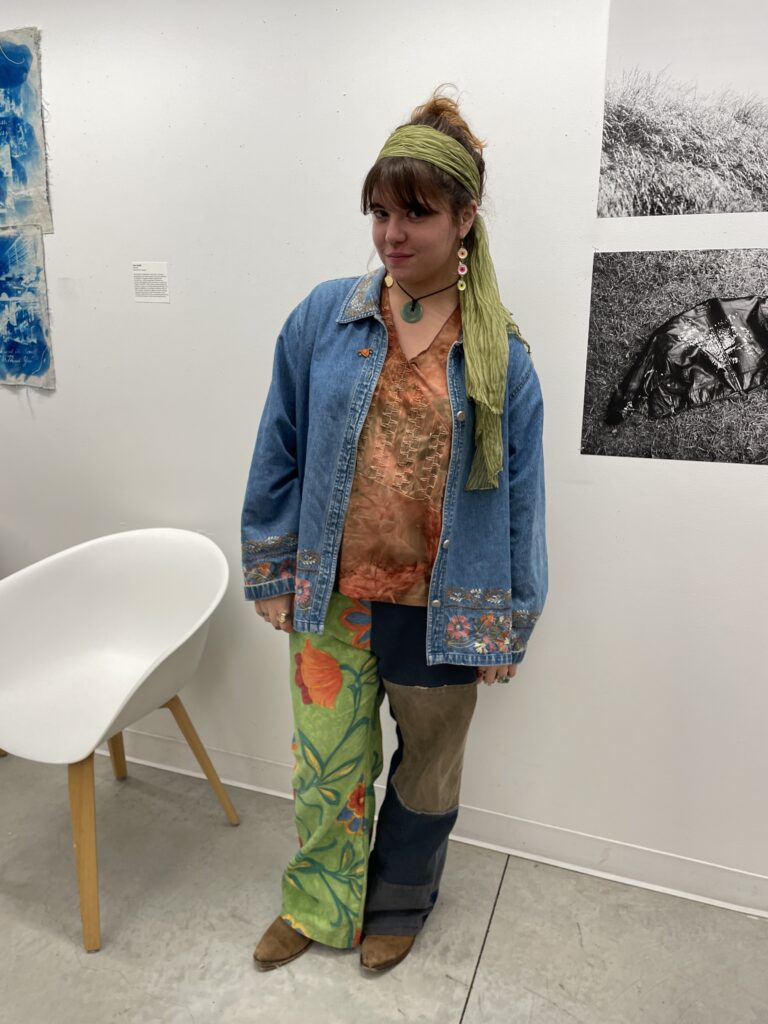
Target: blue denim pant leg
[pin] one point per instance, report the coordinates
(432, 707)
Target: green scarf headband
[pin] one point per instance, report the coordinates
(485, 322)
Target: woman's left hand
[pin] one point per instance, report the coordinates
(490, 674)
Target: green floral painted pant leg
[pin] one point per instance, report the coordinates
(337, 744)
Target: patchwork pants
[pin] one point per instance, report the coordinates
(335, 888)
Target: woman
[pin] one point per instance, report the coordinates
(394, 526)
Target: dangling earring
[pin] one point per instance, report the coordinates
(462, 269)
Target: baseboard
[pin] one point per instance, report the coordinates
(669, 873)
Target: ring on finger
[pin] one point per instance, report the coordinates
(282, 617)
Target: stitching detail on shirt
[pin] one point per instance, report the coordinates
(398, 446)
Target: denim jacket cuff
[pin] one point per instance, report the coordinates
(269, 566)
(283, 585)
(518, 645)
(522, 627)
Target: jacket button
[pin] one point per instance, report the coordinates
(461, 415)
(436, 603)
(446, 542)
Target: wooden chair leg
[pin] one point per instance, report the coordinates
(179, 712)
(117, 756)
(82, 804)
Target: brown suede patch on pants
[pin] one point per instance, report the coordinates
(434, 721)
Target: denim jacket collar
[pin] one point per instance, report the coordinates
(363, 299)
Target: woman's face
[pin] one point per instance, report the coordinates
(419, 248)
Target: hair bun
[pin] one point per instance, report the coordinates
(442, 112)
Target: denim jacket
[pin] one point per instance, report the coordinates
(489, 579)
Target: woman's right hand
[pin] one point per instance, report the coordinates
(278, 611)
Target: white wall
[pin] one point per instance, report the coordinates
(231, 140)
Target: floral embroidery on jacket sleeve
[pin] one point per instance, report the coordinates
(269, 559)
(484, 622)
(307, 567)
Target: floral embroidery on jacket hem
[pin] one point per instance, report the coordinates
(479, 598)
(524, 620)
(486, 633)
(476, 597)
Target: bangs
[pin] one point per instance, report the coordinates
(406, 183)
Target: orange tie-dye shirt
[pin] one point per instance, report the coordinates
(394, 520)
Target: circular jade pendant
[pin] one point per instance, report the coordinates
(412, 312)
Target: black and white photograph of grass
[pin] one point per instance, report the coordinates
(685, 126)
(677, 356)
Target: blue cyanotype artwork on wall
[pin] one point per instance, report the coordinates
(23, 180)
(25, 353)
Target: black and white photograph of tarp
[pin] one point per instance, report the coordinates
(677, 358)
(685, 126)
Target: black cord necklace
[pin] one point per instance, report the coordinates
(413, 311)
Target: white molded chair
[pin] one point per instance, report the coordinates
(94, 638)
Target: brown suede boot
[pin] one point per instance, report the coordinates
(279, 945)
(378, 952)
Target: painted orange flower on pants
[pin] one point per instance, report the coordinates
(353, 815)
(318, 676)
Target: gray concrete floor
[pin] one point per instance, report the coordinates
(184, 897)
